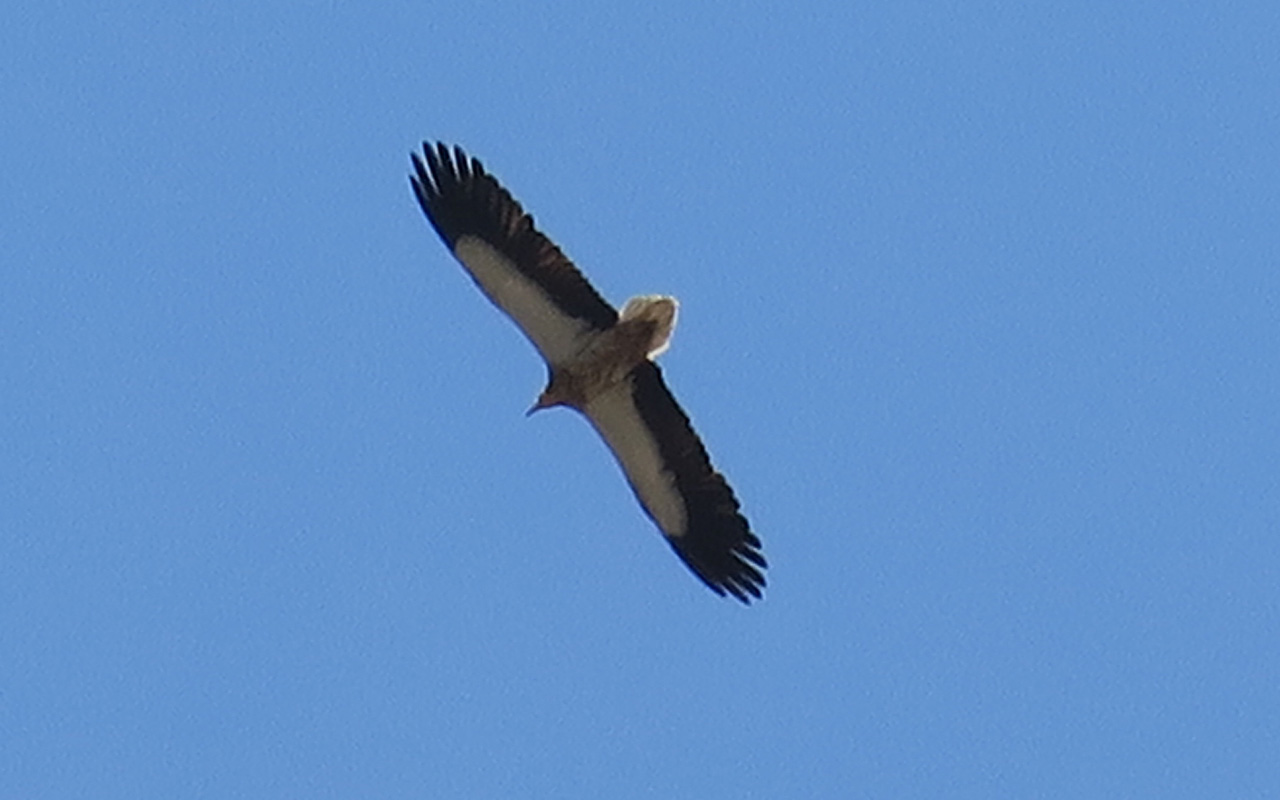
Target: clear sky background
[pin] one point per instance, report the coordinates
(979, 316)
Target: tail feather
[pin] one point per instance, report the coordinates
(661, 310)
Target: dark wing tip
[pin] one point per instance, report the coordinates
(718, 546)
(457, 195)
(725, 556)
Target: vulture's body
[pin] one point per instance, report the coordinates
(599, 363)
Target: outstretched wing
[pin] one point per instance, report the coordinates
(673, 479)
(512, 262)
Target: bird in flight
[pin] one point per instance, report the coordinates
(600, 363)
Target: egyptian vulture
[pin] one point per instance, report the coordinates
(599, 363)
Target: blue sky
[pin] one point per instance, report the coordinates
(979, 316)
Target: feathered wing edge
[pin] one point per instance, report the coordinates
(718, 545)
(461, 199)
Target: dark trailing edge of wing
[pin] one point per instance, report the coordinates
(461, 199)
(718, 545)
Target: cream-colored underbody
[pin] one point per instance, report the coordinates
(643, 331)
(596, 383)
(590, 369)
